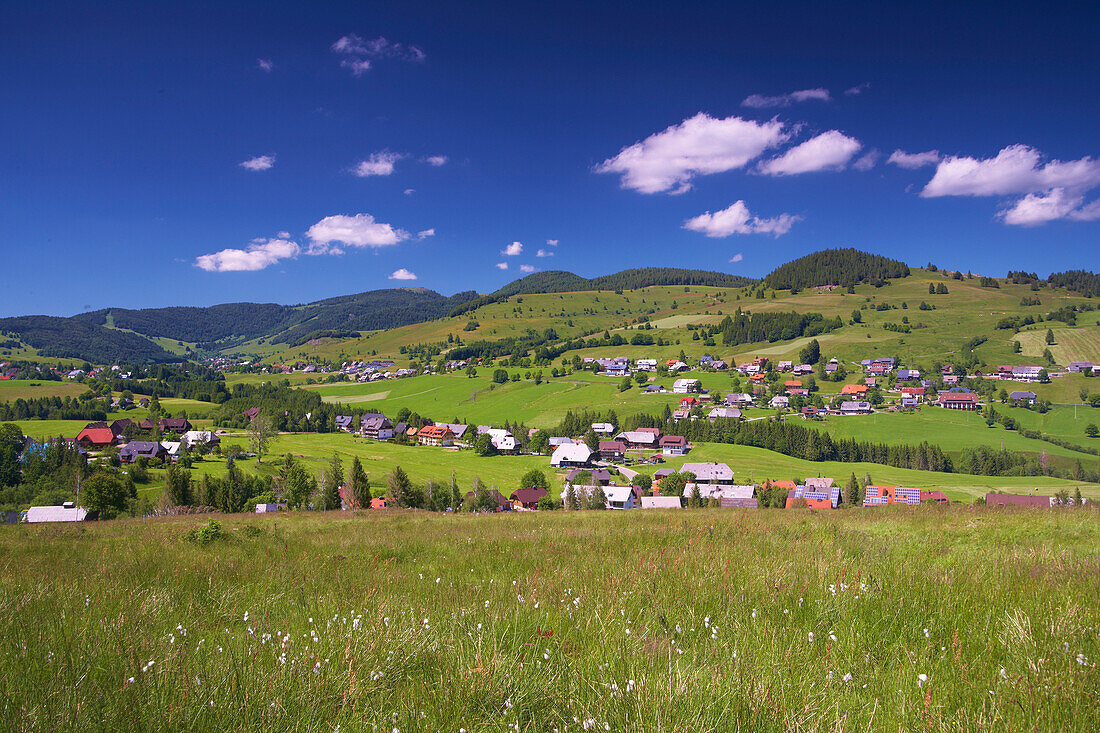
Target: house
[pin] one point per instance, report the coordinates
(792, 383)
(799, 392)
(951, 379)
(646, 365)
(855, 408)
(499, 502)
(958, 400)
(660, 473)
(1026, 500)
(785, 366)
(917, 393)
(375, 426)
(673, 445)
(96, 436)
(556, 440)
(436, 435)
(855, 390)
(720, 365)
(136, 449)
(171, 448)
(678, 415)
(809, 411)
(1022, 397)
(343, 422)
(800, 370)
(910, 402)
(832, 367)
(268, 508)
(603, 428)
(1026, 373)
(723, 412)
(729, 497)
(653, 389)
(882, 495)
(599, 476)
(67, 512)
(877, 370)
(612, 450)
(620, 497)
(639, 439)
(582, 493)
(174, 425)
(684, 386)
(885, 361)
(1080, 366)
(379, 502)
(936, 497)
(816, 495)
(527, 498)
(457, 429)
(738, 400)
(677, 366)
(905, 375)
(119, 427)
(192, 438)
(573, 455)
(616, 370)
(689, 401)
(661, 502)
(709, 473)
(780, 401)
(251, 413)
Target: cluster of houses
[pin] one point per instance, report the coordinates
(98, 436)
(376, 426)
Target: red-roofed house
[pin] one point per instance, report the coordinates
(959, 400)
(854, 389)
(96, 435)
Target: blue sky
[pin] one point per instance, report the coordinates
(149, 153)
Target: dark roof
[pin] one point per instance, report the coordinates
(673, 440)
(118, 427)
(529, 496)
(138, 448)
(175, 424)
(613, 445)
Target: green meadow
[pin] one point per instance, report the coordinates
(14, 389)
(925, 619)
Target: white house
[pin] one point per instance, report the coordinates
(620, 497)
(571, 456)
(199, 437)
(268, 508)
(780, 401)
(646, 365)
(603, 428)
(502, 440)
(67, 512)
(684, 386)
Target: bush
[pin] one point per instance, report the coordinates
(205, 534)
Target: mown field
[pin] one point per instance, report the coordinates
(925, 619)
(14, 389)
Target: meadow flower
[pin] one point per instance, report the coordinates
(921, 679)
(1003, 674)
(847, 677)
(811, 637)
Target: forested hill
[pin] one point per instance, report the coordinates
(835, 267)
(69, 338)
(1081, 281)
(198, 325)
(560, 281)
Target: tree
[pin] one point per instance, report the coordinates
(811, 354)
(260, 432)
(500, 376)
(359, 484)
(941, 289)
(625, 384)
(851, 491)
(596, 499)
(331, 480)
(1050, 336)
(1016, 348)
(571, 498)
(456, 495)
(539, 442)
(178, 486)
(298, 487)
(673, 484)
(931, 289)
(533, 479)
(644, 482)
(399, 485)
(592, 440)
(105, 494)
(641, 377)
(483, 445)
(1091, 431)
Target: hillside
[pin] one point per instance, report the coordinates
(835, 267)
(73, 339)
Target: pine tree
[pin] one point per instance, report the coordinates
(851, 491)
(399, 484)
(331, 480)
(359, 484)
(570, 498)
(456, 495)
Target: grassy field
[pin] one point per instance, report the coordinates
(14, 389)
(709, 620)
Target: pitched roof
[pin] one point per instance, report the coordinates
(529, 496)
(708, 472)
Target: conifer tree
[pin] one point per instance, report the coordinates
(359, 484)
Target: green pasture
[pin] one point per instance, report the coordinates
(14, 389)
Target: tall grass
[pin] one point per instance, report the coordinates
(926, 619)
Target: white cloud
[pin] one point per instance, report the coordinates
(737, 257)
(259, 163)
(911, 161)
(700, 145)
(1057, 203)
(858, 89)
(358, 52)
(828, 151)
(512, 249)
(378, 164)
(410, 191)
(425, 233)
(544, 253)
(402, 274)
(527, 268)
(736, 219)
(1015, 170)
(759, 101)
(283, 235)
(265, 64)
(360, 230)
(866, 162)
(552, 242)
(436, 160)
(1088, 212)
(502, 265)
(260, 254)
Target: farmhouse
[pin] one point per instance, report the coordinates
(376, 426)
(673, 445)
(1024, 373)
(502, 440)
(856, 390)
(916, 393)
(575, 455)
(642, 439)
(727, 412)
(1023, 398)
(603, 428)
(905, 375)
(136, 449)
(882, 495)
(612, 450)
(780, 401)
(855, 408)
(343, 422)
(958, 400)
(96, 435)
(67, 512)
(1080, 366)
(458, 429)
(785, 366)
(738, 400)
(174, 425)
(436, 435)
(709, 473)
(527, 498)
(684, 386)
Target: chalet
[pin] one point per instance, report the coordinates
(499, 502)
(809, 411)
(616, 370)
(1027, 500)
(832, 367)
(677, 366)
(878, 370)
(740, 399)
(527, 498)
(884, 361)
(706, 360)
(119, 427)
(882, 495)
(653, 389)
(802, 369)
(855, 408)
(571, 456)
(951, 379)
(673, 445)
(377, 426)
(661, 502)
(136, 449)
(709, 473)
(1081, 366)
(936, 497)
(815, 494)
(688, 401)
(646, 365)
(870, 381)
(343, 422)
(792, 383)
(603, 428)
(947, 369)
(678, 415)
(916, 393)
(855, 390)
(638, 439)
(785, 366)
(620, 497)
(174, 425)
(685, 386)
(67, 512)
(1020, 398)
(400, 428)
(458, 429)
(436, 435)
(958, 400)
(660, 473)
(96, 436)
(599, 476)
(726, 412)
(612, 450)
(780, 401)
(719, 365)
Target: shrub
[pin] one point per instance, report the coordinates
(205, 534)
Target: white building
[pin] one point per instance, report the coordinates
(684, 386)
(67, 512)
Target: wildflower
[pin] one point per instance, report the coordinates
(921, 679)
(811, 637)
(829, 676)
(754, 613)
(1004, 676)
(245, 618)
(847, 677)
(832, 637)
